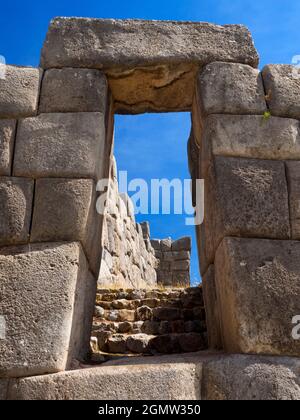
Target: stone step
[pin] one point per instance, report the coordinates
(149, 344)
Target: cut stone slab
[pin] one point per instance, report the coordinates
(293, 176)
(182, 244)
(244, 198)
(19, 92)
(230, 88)
(251, 378)
(65, 210)
(145, 75)
(212, 309)
(282, 83)
(250, 136)
(61, 145)
(7, 141)
(47, 300)
(74, 90)
(3, 389)
(16, 195)
(258, 287)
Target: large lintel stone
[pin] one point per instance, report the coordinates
(73, 90)
(47, 299)
(258, 289)
(19, 91)
(282, 84)
(16, 195)
(7, 141)
(70, 145)
(151, 65)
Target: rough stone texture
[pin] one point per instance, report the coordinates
(19, 92)
(65, 210)
(16, 195)
(282, 83)
(243, 197)
(212, 309)
(250, 136)
(258, 286)
(293, 176)
(73, 90)
(251, 378)
(7, 141)
(61, 145)
(230, 88)
(144, 75)
(3, 389)
(47, 296)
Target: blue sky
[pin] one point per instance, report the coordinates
(274, 26)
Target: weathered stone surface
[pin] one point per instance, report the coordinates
(47, 299)
(65, 210)
(181, 278)
(231, 88)
(192, 342)
(166, 245)
(293, 176)
(73, 90)
(250, 136)
(19, 92)
(282, 83)
(144, 313)
(175, 378)
(166, 314)
(182, 244)
(138, 343)
(212, 309)
(181, 265)
(61, 145)
(251, 378)
(244, 197)
(7, 141)
(117, 344)
(256, 313)
(3, 389)
(16, 196)
(145, 76)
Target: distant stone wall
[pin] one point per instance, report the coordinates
(128, 259)
(174, 261)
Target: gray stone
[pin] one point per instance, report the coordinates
(282, 83)
(117, 344)
(65, 210)
(212, 309)
(150, 327)
(181, 265)
(16, 196)
(3, 389)
(166, 314)
(19, 92)
(144, 313)
(250, 136)
(145, 229)
(166, 244)
(251, 378)
(256, 313)
(293, 176)
(231, 88)
(7, 141)
(73, 90)
(181, 255)
(155, 244)
(125, 327)
(182, 244)
(99, 312)
(138, 343)
(144, 76)
(192, 342)
(61, 145)
(47, 299)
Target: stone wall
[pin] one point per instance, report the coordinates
(128, 259)
(174, 261)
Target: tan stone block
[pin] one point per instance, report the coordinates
(7, 141)
(293, 176)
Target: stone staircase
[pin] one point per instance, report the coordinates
(148, 322)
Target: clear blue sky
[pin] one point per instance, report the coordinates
(275, 29)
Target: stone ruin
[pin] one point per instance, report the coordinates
(56, 141)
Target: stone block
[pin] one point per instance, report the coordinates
(19, 92)
(117, 344)
(47, 300)
(7, 141)
(251, 378)
(16, 195)
(61, 145)
(166, 314)
(231, 88)
(182, 244)
(143, 76)
(283, 90)
(181, 265)
(246, 198)
(192, 342)
(65, 210)
(258, 286)
(166, 245)
(74, 90)
(139, 343)
(155, 244)
(181, 278)
(3, 389)
(293, 176)
(249, 136)
(212, 309)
